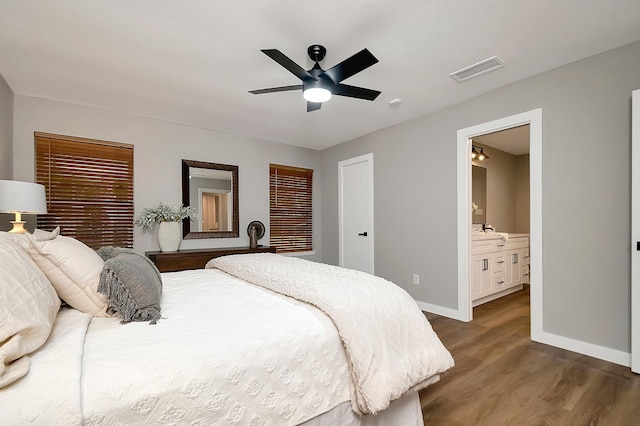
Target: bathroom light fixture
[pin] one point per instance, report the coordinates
(482, 155)
(477, 153)
(474, 152)
(21, 197)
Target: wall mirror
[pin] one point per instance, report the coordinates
(478, 194)
(213, 189)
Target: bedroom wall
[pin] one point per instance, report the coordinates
(159, 148)
(586, 145)
(6, 130)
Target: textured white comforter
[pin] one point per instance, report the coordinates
(205, 362)
(227, 352)
(390, 345)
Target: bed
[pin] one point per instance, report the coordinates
(249, 340)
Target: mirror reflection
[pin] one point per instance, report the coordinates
(213, 189)
(478, 194)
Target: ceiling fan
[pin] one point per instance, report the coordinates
(317, 84)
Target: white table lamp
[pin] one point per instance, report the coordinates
(21, 197)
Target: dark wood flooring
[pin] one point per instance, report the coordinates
(501, 377)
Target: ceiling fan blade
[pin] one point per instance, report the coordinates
(291, 66)
(313, 106)
(350, 66)
(276, 89)
(355, 92)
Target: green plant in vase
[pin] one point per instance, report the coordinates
(168, 217)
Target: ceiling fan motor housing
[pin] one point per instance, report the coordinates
(316, 52)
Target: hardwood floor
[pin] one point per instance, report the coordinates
(501, 377)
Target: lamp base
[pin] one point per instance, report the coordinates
(18, 227)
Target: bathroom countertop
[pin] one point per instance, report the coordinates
(493, 236)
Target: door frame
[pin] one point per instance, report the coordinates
(368, 158)
(534, 119)
(635, 231)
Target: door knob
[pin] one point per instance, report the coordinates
(363, 234)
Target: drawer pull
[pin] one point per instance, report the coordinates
(485, 264)
(500, 261)
(501, 282)
(500, 245)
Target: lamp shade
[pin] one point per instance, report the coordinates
(22, 197)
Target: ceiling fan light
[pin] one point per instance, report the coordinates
(316, 94)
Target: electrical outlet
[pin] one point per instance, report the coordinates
(416, 279)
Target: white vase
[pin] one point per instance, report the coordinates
(169, 236)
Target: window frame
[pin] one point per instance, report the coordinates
(292, 186)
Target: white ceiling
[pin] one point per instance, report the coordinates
(515, 140)
(194, 61)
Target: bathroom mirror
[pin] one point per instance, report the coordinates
(478, 194)
(213, 189)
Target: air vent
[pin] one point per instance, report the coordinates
(475, 70)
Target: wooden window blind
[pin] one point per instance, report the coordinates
(290, 207)
(89, 186)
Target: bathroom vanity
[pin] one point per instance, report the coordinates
(499, 266)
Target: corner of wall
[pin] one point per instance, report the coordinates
(6, 130)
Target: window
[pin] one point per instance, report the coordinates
(89, 187)
(290, 207)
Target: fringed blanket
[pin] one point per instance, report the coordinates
(390, 345)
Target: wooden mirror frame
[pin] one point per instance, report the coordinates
(186, 223)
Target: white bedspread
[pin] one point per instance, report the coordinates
(390, 345)
(203, 363)
(50, 393)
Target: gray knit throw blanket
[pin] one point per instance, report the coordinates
(132, 284)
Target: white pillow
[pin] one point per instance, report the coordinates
(41, 235)
(73, 269)
(28, 308)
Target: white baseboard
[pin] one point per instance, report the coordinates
(584, 348)
(497, 295)
(439, 310)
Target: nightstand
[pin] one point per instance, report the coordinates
(197, 258)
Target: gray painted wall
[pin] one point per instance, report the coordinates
(523, 194)
(501, 189)
(507, 183)
(586, 194)
(6, 130)
(159, 148)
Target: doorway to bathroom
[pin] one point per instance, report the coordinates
(500, 214)
(467, 138)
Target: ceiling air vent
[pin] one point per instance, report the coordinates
(493, 63)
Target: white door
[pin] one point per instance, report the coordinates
(355, 216)
(635, 232)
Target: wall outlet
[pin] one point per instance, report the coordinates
(416, 279)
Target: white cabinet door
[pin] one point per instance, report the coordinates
(514, 266)
(481, 275)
